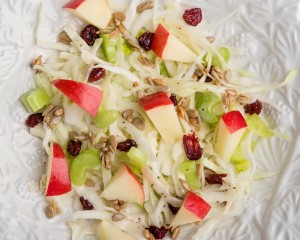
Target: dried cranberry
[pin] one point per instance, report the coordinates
(74, 147)
(158, 233)
(215, 178)
(145, 40)
(173, 209)
(254, 107)
(96, 74)
(173, 99)
(89, 34)
(86, 205)
(34, 119)
(126, 145)
(192, 147)
(192, 16)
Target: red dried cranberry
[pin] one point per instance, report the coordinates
(215, 178)
(173, 99)
(254, 107)
(126, 145)
(34, 119)
(74, 147)
(192, 16)
(158, 233)
(89, 34)
(145, 40)
(173, 209)
(192, 147)
(96, 74)
(86, 205)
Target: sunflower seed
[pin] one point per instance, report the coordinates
(146, 234)
(127, 113)
(243, 99)
(146, 61)
(133, 44)
(119, 16)
(107, 161)
(138, 123)
(180, 112)
(159, 82)
(64, 38)
(37, 61)
(184, 102)
(54, 121)
(118, 217)
(140, 94)
(175, 233)
(50, 211)
(113, 141)
(59, 112)
(193, 122)
(227, 75)
(192, 113)
(185, 185)
(122, 29)
(151, 237)
(231, 92)
(48, 109)
(100, 145)
(203, 70)
(226, 100)
(89, 183)
(211, 39)
(135, 84)
(144, 6)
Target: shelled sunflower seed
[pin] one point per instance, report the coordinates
(63, 37)
(118, 205)
(243, 99)
(128, 115)
(77, 137)
(53, 115)
(155, 81)
(184, 102)
(52, 210)
(193, 116)
(175, 233)
(138, 123)
(185, 185)
(108, 148)
(144, 6)
(146, 61)
(210, 39)
(107, 30)
(133, 44)
(118, 217)
(119, 16)
(37, 61)
(227, 75)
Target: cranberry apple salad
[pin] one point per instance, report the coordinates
(149, 130)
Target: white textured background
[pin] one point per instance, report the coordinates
(270, 34)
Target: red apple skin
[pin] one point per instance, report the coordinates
(196, 205)
(59, 182)
(84, 95)
(160, 40)
(234, 121)
(74, 4)
(155, 100)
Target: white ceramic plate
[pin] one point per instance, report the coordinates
(269, 33)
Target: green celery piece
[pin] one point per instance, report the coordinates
(140, 33)
(238, 155)
(242, 165)
(163, 70)
(257, 125)
(137, 159)
(41, 80)
(208, 105)
(109, 47)
(225, 53)
(127, 49)
(86, 160)
(35, 99)
(104, 118)
(187, 167)
(192, 180)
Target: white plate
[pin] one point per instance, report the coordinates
(269, 33)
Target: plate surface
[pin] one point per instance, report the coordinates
(269, 33)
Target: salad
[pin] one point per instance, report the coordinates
(148, 128)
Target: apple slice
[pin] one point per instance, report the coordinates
(107, 231)
(193, 209)
(160, 109)
(231, 128)
(84, 95)
(124, 186)
(168, 47)
(58, 179)
(95, 12)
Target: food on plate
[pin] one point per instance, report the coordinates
(149, 127)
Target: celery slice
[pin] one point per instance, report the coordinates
(41, 80)
(242, 165)
(104, 118)
(109, 47)
(127, 49)
(35, 99)
(137, 159)
(187, 167)
(257, 125)
(192, 180)
(86, 160)
(209, 106)
(225, 53)
(163, 70)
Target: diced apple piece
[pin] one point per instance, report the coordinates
(107, 231)
(58, 178)
(231, 128)
(161, 112)
(124, 186)
(85, 96)
(95, 12)
(193, 209)
(168, 47)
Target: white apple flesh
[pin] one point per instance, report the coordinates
(168, 47)
(232, 127)
(95, 12)
(58, 179)
(124, 186)
(193, 209)
(107, 231)
(161, 111)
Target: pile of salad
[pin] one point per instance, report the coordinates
(147, 127)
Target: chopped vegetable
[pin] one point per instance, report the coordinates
(35, 99)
